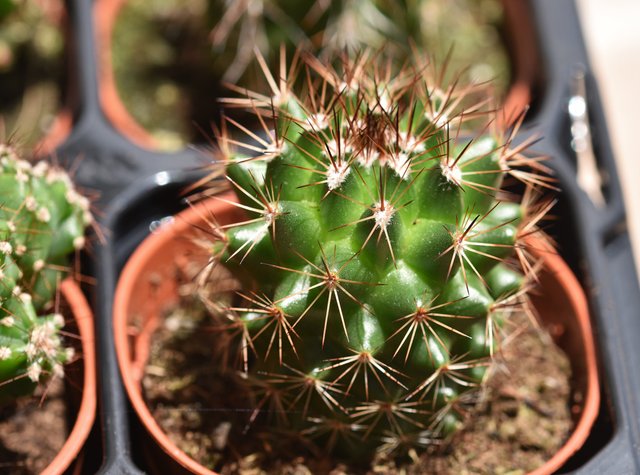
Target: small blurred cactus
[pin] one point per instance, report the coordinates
(42, 220)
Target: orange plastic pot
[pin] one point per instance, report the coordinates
(147, 289)
(84, 387)
(522, 44)
(105, 15)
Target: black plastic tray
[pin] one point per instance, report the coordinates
(138, 187)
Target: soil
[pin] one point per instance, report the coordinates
(33, 430)
(519, 424)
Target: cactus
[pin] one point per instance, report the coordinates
(379, 256)
(42, 220)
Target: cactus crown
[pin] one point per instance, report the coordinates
(42, 220)
(378, 257)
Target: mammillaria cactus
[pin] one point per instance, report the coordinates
(379, 257)
(42, 220)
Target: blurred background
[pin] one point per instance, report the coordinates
(167, 90)
(612, 33)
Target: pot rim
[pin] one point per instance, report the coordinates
(591, 405)
(86, 414)
(105, 16)
(184, 223)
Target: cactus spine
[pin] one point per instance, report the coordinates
(42, 220)
(378, 258)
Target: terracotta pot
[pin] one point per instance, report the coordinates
(563, 309)
(58, 132)
(147, 289)
(105, 15)
(520, 42)
(83, 318)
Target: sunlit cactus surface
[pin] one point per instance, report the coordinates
(379, 257)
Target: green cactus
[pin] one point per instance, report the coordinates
(378, 258)
(42, 220)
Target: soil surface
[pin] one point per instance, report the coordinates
(33, 430)
(520, 423)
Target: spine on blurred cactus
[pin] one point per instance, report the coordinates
(378, 258)
(42, 220)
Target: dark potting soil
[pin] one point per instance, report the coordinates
(520, 424)
(33, 430)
